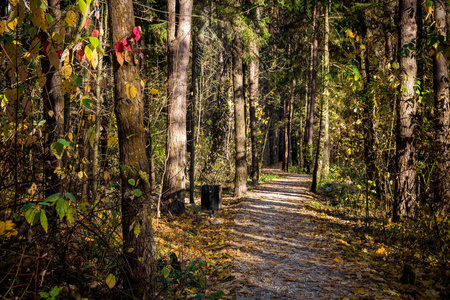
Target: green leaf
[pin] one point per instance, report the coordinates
(94, 41)
(86, 102)
(132, 182)
(62, 206)
(53, 198)
(44, 221)
(57, 149)
(137, 192)
(395, 65)
(88, 51)
(44, 295)
(79, 81)
(55, 291)
(27, 206)
(91, 136)
(356, 72)
(32, 214)
(64, 142)
(71, 215)
(81, 6)
(49, 18)
(44, 203)
(165, 272)
(32, 31)
(69, 196)
(111, 281)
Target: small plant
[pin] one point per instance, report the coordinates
(53, 293)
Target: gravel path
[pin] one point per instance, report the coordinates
(281, 254)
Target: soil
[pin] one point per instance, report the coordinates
(281, 253)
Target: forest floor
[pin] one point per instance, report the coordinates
(280, 241)
(283, 251)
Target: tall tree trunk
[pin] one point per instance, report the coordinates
(53, 105)
(406, 181)
(326, 94)
(178, 41)
(253, 90)
(197, 56)
(309, 126)
(319, 154)
(139, 246)
(103, 22)
(442, 118)
(240, 181)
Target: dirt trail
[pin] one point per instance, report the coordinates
(281, 254)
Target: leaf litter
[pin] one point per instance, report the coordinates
(279, 242)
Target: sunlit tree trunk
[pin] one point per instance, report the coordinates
(442, 117)
(253, 90)
(139, 248)
(240, 182)
(309, 126)
(178, 41)
(406, 181)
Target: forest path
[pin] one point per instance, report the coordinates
(282, 253)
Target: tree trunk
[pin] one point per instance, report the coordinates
(442, 118)
(326, 94)
(178, 41)
(240, 182)
(309, 126)
(53, 106)
(253, 89)
(406, 181)
(139, 246)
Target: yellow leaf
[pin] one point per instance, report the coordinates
(80, 174)
(350, 34)
(14, 2)
(68, 87)
(70, 18)
(137, 229)
(42, 81)
(38, 17)
(338, 259)
(94, 59)
(133, 91)
(12, 25)
(2, 26)
(291, 279)
(54, 59)
(244, 291)
(380, 252)
(111, 281)
(67, 71)
(439, 220)
(359, 291)
(312, 261)
(33, 188)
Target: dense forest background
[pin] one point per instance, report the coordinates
(113, 114)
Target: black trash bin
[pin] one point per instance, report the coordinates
(211, 197)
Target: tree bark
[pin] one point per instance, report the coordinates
(240, 182)
(326, 94)
(178, 41)
(309, 126)
(406, 181)
(253, 90)
(138, 244)
(442, 117)
(53, 107)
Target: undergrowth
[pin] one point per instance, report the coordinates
(419, 247)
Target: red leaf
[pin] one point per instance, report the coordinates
(59, 53)
(119, 47)
(86, 25)
(80, 54)
(136, 33)
(46, 43)
(126, 44)
(95, 33)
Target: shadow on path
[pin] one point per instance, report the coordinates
(279, 250)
